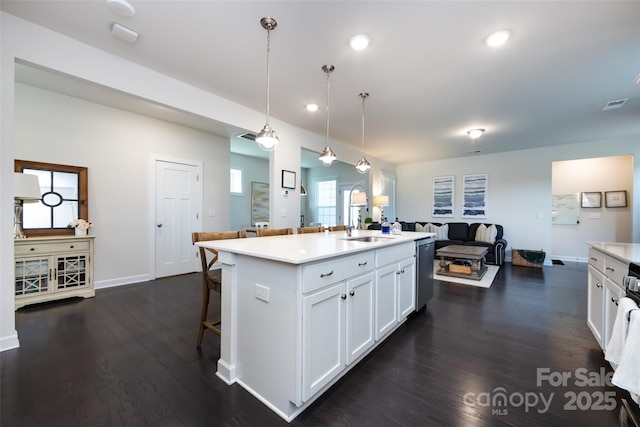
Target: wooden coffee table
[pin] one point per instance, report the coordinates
(462, 261)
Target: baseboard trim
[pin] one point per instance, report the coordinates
(103, 284)
(9, 342)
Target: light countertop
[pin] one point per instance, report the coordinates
(625, 252)
(308, 247)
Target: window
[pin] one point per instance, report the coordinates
(326, 201)
(236, 181)
(64, 198)
(389, 189)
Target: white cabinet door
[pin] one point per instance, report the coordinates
(406, 279)
(612, 294)
(595, 304)
(323, 338)
(386, 300)
(360, 310)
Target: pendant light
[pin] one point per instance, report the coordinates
(327, 156)
(267, 138)
(363, 164)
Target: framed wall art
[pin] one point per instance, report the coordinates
(591, 199)
(259, 202)
(615, 199)
(474, 195)
(443, 187)
(288, 179)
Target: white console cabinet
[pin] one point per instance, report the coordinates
(52, 268)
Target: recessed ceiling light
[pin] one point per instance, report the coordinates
(312, 107)
(123, 33)
(475, 133)
(359, 42)
(498, 38)
(121, 7)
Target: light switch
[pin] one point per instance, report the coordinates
(212, 212)
(540, 215)
(594, 215)
(283, 213)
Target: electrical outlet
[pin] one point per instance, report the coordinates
(262, 292)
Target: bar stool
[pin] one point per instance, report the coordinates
(211, 275)
(302, 230)
(337, 228)
(264, 232)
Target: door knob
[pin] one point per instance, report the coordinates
(159, 225)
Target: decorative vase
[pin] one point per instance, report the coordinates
(81, 231)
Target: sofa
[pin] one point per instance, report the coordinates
(461, 233)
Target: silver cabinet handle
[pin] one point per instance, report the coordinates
(614, 300)
(327, 274)
(351, 292)
(343, 296)
(159, 225)
(360, 264)
(611, 269)
(594, 259)
(598, 285)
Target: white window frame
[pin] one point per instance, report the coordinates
(241, 192)
(317, 206)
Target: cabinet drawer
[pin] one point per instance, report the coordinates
(386, 256)
(316, 276)
(51, 248)
(596, 259)
(615, 270)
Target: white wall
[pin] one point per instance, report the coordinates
(595, 224)
(116, 147)
(520, 190)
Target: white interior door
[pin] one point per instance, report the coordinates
(177, 216)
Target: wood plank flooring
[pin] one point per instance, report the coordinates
(128, 358)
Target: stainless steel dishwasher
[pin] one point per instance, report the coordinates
(425, 252)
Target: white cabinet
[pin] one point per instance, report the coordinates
(605, 288)
(394, 287)
(595, 303)
(51, 268)
(337, 330)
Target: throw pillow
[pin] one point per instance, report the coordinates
(486, 234)
(420, 228)
(442, 232)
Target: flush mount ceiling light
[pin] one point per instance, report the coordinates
(267, 138)
(475, 133)
(121, 7)
(312, 107)
(359, 42)
(363, 164)
(498, 38)
(327, 156)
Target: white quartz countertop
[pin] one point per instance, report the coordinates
(625, 252)
(308, 247)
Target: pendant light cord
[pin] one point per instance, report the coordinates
(363, 98)
(328, 108)
(268, 74)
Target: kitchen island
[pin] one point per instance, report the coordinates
(300, 311)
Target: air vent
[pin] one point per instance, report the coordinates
(248, 135)
(474, 152)
(612, 105)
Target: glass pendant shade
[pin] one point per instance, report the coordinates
(267, 138)
(363, 165)
(327, 156)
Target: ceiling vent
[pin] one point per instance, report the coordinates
(248, 135)
(474, 152)
(612, 105)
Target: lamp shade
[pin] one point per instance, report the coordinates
(26, 187)
(359, 199)
(381, 200)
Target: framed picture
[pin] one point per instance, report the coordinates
(592, 199)
(443, 196)
(474, 195)
(615, 199)
(288, 179)
(259, 202)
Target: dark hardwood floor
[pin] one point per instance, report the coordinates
(128, 358)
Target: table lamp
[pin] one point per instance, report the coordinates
(381, 201)
(26, 189)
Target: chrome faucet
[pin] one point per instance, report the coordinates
(349, 226)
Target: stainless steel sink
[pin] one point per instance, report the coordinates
(366, 238)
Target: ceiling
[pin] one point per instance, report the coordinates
(428, 72)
